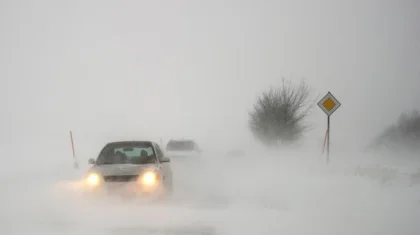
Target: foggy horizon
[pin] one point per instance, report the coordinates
(187, 68)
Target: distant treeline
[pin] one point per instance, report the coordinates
(404, 135)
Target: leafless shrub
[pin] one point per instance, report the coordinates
(279, 114)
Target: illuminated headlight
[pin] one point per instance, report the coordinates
(93, 179)
(148, 178)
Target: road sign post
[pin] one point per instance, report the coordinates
(329, 104)
(76, 164)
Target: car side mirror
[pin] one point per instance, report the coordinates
(91, 161)
(165, 159)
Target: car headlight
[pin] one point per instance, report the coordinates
(93, 179)
(148, 178)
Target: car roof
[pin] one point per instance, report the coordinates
(131, 142)
(181, 140)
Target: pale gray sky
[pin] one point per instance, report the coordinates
(193, 68)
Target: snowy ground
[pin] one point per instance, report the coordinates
(256, 195)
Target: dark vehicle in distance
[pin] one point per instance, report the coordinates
(178, 148)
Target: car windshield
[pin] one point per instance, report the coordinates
(127, 153)
(180, 146)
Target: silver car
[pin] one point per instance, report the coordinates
(130, 168)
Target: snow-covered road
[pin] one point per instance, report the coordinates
(251, 196)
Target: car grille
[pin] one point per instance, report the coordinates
(120, 178)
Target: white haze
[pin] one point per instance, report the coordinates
(110, 70)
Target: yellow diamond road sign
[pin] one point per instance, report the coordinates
(329, 104)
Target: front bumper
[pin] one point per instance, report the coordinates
(128, 189)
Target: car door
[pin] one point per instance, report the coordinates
(166, 166)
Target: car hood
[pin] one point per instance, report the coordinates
(122, 169)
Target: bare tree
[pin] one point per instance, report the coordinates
(279, 113)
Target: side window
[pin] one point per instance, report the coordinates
(159, 152)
